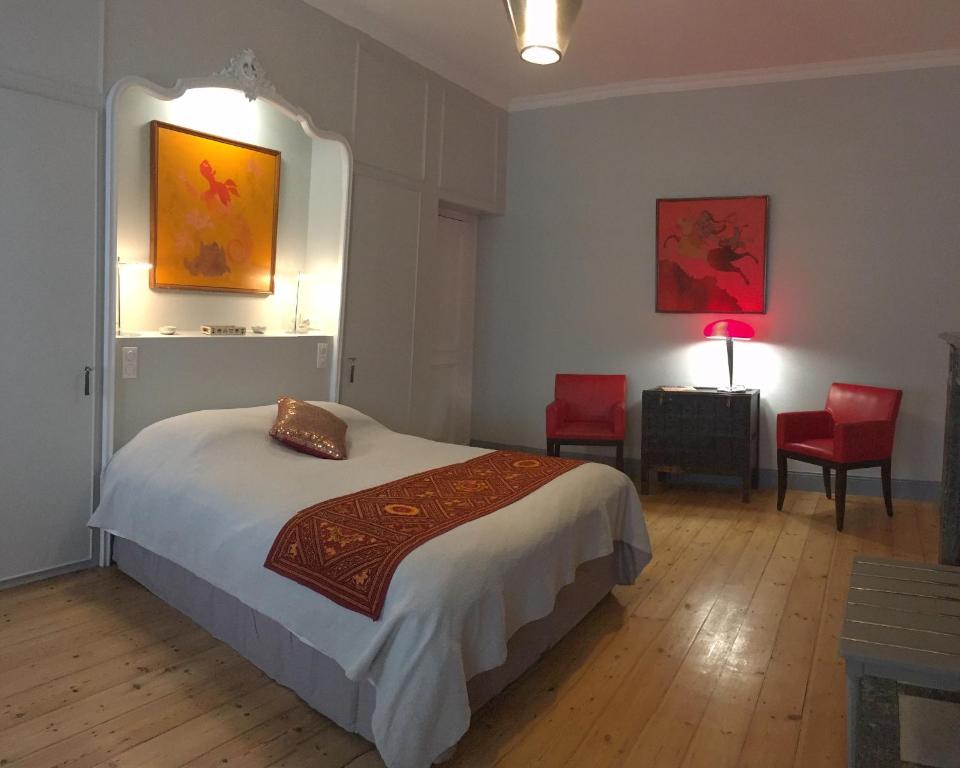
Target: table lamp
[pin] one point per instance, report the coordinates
(728, 330)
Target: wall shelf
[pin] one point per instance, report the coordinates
(134, 335)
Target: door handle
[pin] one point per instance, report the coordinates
(87, 370)
(353, 367)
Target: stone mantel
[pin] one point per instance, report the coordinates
(950, 485)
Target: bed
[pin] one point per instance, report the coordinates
(195, 502)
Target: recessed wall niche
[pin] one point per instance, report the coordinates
(311, 219)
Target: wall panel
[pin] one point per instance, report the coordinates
(56, 42)
(470, 159)
(381, 296)
(391, 115)
(48, 311)
(311, 57)
(182, 374)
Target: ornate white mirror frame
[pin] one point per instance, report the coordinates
(245, 74)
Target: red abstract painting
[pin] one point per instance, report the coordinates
(712, 255)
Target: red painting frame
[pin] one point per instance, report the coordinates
(711, 254)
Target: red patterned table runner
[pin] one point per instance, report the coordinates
(348, 548)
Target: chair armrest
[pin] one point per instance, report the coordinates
(797, 426)
(863, 440)
(555, 416)
(619, 419)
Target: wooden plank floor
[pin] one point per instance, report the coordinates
(724, 653)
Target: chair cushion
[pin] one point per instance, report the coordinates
(817, 448)
(855, 402)
(589, 397)
(584, 430)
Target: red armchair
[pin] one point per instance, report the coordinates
(854, 431)
(588, 409)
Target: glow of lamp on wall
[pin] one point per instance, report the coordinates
(729, 331)
(542, 27)
(127, 270)
(301, 324)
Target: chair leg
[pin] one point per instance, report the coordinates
(781, 478)
(840, 497)
(620, 455)
(887, 490)
(826, 481)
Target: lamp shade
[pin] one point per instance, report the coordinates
(729, 329)
(542, 27)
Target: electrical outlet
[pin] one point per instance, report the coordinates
(128, 362)
(322, 349)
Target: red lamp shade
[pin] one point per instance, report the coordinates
(729, 329)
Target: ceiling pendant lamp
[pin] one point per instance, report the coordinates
(542, 27)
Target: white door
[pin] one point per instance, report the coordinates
(445, 310)
(48, 257)
(381, 291)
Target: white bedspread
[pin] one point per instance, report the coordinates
(210, 491)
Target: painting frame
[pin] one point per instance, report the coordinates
(725, 265)
(161, 260)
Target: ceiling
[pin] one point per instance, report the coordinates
(624, 41)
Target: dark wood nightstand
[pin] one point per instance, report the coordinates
(701, 431)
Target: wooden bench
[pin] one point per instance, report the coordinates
(901, 635)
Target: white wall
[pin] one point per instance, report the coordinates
(311, 198)
(864, 249)
(326, 231)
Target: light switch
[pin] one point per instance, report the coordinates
(128, 362)
(322, 348)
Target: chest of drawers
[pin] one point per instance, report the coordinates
(702, 431)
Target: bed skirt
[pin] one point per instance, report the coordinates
(316, 678)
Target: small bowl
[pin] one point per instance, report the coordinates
(258, 328)
(168, 330)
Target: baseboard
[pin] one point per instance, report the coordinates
(912, 490)
(857, 485)
(46, 573)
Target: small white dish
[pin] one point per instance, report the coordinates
(258, 328)
(168, 330)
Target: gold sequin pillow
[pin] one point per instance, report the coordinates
(310, 429)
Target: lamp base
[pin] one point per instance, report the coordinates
(733, 388)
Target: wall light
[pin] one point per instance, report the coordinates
(542, 27)
(124, 268)
(301, 324)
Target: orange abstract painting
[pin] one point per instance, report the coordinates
(214, 212)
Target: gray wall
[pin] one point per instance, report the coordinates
(181, 374)
(864, 249)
